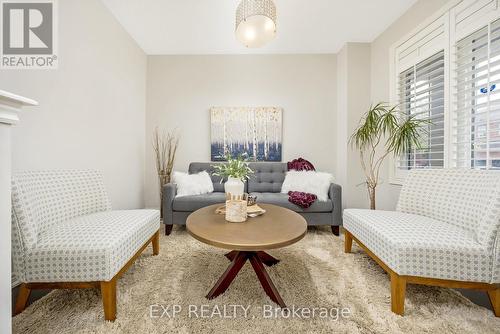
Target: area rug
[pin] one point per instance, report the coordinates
(329, 291)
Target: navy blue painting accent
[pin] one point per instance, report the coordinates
(235, 131)
(273, 154)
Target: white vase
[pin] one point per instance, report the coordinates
(234, 186)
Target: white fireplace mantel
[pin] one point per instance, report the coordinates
(10, 105)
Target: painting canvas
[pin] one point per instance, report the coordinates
(255, 132)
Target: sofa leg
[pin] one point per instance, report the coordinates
(156, 243)
(108, 292)
(22, 298)
(398, 291)
(495, 300)
(347, 241)
(336, 230)
(168, 229)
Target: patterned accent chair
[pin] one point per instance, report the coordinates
(445, 232)
(65, 235)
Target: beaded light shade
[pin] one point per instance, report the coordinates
(255, 22)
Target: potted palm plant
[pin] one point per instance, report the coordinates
(235, 171)
(384, 130)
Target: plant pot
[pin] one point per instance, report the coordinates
(234, 186)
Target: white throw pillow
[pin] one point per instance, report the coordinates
(317, 183)
(192, 184)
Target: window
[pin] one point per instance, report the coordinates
(477, 112)
(421, 94)
(447, 71)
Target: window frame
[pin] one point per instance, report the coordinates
(459, 19)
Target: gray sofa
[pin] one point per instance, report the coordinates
(265, 183)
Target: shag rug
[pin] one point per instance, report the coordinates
(348, 293)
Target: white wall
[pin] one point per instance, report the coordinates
(342, 118)
(388, 193)
(92, 108)
(91, 112)
(181, 89)
(353, 100)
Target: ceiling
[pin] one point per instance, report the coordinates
(207, 26)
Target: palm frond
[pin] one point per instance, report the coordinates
(387, 126)
(407, 136)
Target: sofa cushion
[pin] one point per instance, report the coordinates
(195, 202)
(267, 177)
(90, 248)
(307, 181)
(282, 200)
(192, 184)
(420, 246)
(196, 167)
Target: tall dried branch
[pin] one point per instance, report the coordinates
(165, 147)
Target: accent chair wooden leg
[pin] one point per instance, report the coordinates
(347, 241)
(398, 291)
(156, 243)
(495, 300)
(336, 230)
(168, 229)
(108, 292)
(22, 298)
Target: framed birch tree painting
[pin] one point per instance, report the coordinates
(255, 132)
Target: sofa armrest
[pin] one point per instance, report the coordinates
(169, 192)
(335, 194)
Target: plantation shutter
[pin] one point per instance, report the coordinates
(476, 125)
(421, 94)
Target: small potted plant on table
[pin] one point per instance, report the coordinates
(235, 171)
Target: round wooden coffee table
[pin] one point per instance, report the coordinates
(278, 227)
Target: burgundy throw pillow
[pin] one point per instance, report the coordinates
(301, 199)
(300, 164)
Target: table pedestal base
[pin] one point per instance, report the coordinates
(257, 260)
